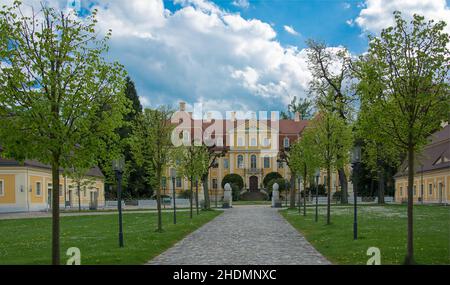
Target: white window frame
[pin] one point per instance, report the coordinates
(226, 163)
(2, 188)
(240, 165)
(253, 161)
(40, 188)
(178, 182)
(266, 159)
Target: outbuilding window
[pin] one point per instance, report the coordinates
(2, 187)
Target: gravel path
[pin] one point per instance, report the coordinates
(243, 235)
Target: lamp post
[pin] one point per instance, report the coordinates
(173, 175)
(356, 160)
(317, 175)
(118, 166)
(196, 195)
(300, 194)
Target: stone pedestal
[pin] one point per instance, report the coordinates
(276, 196)
(227, 196)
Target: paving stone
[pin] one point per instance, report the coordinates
(243, 235)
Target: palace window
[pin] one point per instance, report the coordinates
(225, 163)
(266, 162)
(253, 161)
(2, 188)
(60, 190)
(84, 192)
(240, 141)
(253, 142)
(240, 161)
(178, 183)
(38, 188)
(286, 142)
(415, 194)
(214, 183)
(401, 191)
(266, 142)
(430, 189)
(280, 164)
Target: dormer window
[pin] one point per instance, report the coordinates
(441, 159)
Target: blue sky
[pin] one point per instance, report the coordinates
(235, 54)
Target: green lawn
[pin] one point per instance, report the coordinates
(28, 241)
(378, 226)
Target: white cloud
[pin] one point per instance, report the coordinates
(346, 5)
(377, 14)
(350, 22)
(241, 3)
(201, 53)
(290, 30)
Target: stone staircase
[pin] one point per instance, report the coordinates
(253, 196)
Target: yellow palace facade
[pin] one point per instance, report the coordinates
(432, 173)
(28, 187)
(252, 151)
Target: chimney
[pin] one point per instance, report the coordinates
(297, 117)
(182, 106)
(233, 116)
(208, 117)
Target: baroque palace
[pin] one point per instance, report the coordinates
(252, 147)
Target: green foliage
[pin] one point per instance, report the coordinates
(151, 143)
(192, 161)
(186, 194)
(270, 176)
(282, 185)
(60, 99)
(404, 85)
(302, 106)
(329, 140)
(304, 159)
(151, 147)
(233, 179)
(235, 191)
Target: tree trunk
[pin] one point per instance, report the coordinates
(409, 259)
(206, 193)
(158, 200)
(292, 192)
(79, 197)
(344, 185)
(328, 196)
(55, 212)
(190, 197)
(380, 186)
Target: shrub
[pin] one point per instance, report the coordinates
(281, 183)
(236, 192)
(186, 194)
(271, 176)
(338, 195)
(233, 179)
